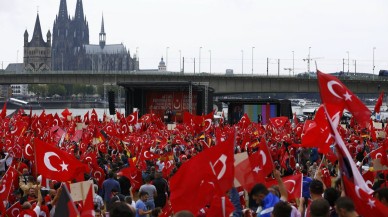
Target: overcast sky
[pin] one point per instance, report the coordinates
(229, 28)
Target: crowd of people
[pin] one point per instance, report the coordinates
(132, 162)
(118, 194)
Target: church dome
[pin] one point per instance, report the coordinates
(162, 63)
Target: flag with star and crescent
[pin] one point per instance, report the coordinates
(56, 164)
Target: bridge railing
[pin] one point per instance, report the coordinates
(188, 74)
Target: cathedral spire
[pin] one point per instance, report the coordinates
(63, 10)
(102, 34)
(102, 25)
(79, 10)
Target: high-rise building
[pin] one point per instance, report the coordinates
(71, 49)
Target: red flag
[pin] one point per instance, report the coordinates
(86, 118)
(346, 164)
(244, 122)
(94, 117)
(220, 206)
(65, 206)
(266, 157)
(65, 113)
(88, 208)
(15, 209)
(247, 170)
(293, 185)
(296, 121)
(278, 121)
(335, 93)
(365, 204)
(317, 132)
(6, 185)
(133, 174)
(369, 178)
(99, 174)
(56, 164)
(379, 103)
(4, 111)
(132, 119)
(214, 172)
(28, 151)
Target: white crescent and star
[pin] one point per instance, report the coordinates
(26, 149)
(47, 162)
(17, 211)
(145, 154)
(330, 85)
(209, 125)
(177, 106)
(293, 186)
(263, 156)
(132, 118)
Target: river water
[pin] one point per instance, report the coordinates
(75, 111)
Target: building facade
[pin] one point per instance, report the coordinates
(37, 52)
(71, 49)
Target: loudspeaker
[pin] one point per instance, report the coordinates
(111, 101)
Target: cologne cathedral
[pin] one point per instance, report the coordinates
(71, 49)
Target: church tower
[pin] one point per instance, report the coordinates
(80, 27)
(102, 34)
(62, 46)
(37, 52)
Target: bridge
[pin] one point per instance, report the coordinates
(221, 83)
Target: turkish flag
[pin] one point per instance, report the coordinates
(99, 174)
(65, 206)
(132, 119)
(6, 185)
(209, 172)
(365, 204)
(346, 164)
(56, 164)
(369, 178)
(247, 171)
(133, 174)
(66, 113)
(334, 92)
(244, 121)
(86, 118)
(14, 210)
(293, 185)
(94, 117)
(317, 132)
(379, 103)
(28, 150)
(278, 121)
(4, 111)
(266, 158)
(220, 206)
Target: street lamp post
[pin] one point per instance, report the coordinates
(180, 61)
(210, 57)
(308, 62)
(348, 60)
(167, 57)
(252, 59)
(374, 48)
(242, 62)
(293, 63)
(199, 63)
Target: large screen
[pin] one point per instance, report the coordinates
(266, 111)
(158, 102)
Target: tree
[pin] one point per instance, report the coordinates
(53, 89)
(38, 89)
